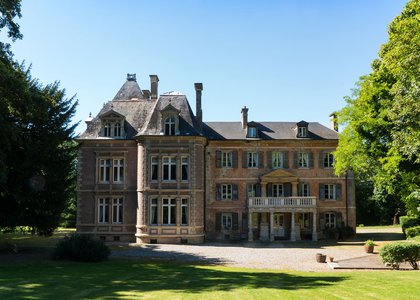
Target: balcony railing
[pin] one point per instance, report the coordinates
(276, 202)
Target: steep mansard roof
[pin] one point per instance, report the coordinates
(129, 90)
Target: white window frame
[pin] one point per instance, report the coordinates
(277, 159)
(105, 170)
(103, 210)
(154, 166)
(107, 129)
(304, 220)
(118, 170)
(227, 221)
(185, 168)
(111, 170)
(170, 124)
(304, 190)
(184, 212)
(117, 210)
(169, 205)
(252, 189)
(252, 132)
(117, 129)
(154, 212)
(303, 160)
(330, 220)
(328, 160)
(302, 131)
(169, 162)
(277, 190)
(226, 191)
(252, 159)
(227, 159)
(330, 191)
(278, 219)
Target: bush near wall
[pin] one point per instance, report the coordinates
(407, 222)
(400, 252)
(412, 231)
(81, 248)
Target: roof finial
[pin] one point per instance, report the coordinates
(131, 77)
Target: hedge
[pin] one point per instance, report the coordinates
(412, 231)
(81, 248)
(407, 222)
(399, 252)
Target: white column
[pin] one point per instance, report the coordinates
(250, 237)
(271, 226)
(293, 230)
(314, 229)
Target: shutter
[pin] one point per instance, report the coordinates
(321, 191)
(260, 159)
(311, 159)
(285, 159)
(234, 192)
(218, 192)
(295, 160)
(234, 221)
(322, 221)
(234, 159)
(258, 190)
(269, 159)
(309, 189)
(218, 159)
(218, 221)
(244, 222)
(338, 191)
(269, 189)
(321, 160)
(300, 190)
(244, 161)
(287, 189)
(339, 220)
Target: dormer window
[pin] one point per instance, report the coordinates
(252, 132)
(170, 126)
(107, 129)
(112, 124)
(117, 129)
(302, 131)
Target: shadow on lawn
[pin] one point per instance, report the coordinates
(118, 278)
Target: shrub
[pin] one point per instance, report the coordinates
(370, 243)
(407, 222)
(81, 247)
(412, 231)
(399, 252)
(347, 232)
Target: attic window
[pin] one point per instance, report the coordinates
(170, 126)
(112, 129)
(252, 132)
(302, 131)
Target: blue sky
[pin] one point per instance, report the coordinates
(285, 60)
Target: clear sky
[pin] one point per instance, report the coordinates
(285, 60)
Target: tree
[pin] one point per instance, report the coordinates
(36, 147)
(381, 138)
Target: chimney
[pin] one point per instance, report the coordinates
(333, 122)
(154, 79)
(198, 111)
(244, 113)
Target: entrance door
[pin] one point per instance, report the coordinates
(278, 225)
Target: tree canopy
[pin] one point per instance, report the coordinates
(37, 152)
(381, 138)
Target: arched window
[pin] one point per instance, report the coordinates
(107, 129)
(170, 126)
(117, 129)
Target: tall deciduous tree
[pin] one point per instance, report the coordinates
(36, 147)
(381, 138)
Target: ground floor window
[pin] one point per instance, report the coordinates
(304, 220)
(278, 220)
(169, 211)
(329, 220)
(110, 209)
(153, 212)
(117, 210)
(227, 221)
(184, 212)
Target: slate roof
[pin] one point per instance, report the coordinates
(267, 131)
(129, 90)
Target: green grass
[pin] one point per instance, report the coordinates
(26, 240)
(132, 279)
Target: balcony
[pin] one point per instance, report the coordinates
(282, 202)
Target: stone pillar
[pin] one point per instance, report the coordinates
(294, 188)
(293, 229)
(314, 229)
(250, 237)
(271, 226)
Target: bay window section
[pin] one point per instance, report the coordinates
(153, 212)
(169, 211)
(184, 212)
(169, 168)
(154, 166)
(184, 168)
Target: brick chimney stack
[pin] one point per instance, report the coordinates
(154, 79)
(333, 122)
(244, 113)
(199, 113)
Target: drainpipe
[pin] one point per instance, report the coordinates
(347, 205)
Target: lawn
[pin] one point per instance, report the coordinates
(132, 279)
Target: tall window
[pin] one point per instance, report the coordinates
(252, 159)
(170, 126)
(154, 212)
(303, 190)
(169, 211)
(118, 170)
(107, 129)
(329, 191)
(169, 168)
(278, 220)
(104, 170)
(117, 210)
(226, 191)
(226, 159)
(227, 221)
(277, 190)
(252, 132)
(328, 159)
(302, 131)
(103, 210)
(252, 190)
(277, 160)
(304, 220)
(329, 220)
(117, 129)
(154, 165)
(303, 159)
(184, 168)
(184, 212)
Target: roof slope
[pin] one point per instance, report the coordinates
(129, 90)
